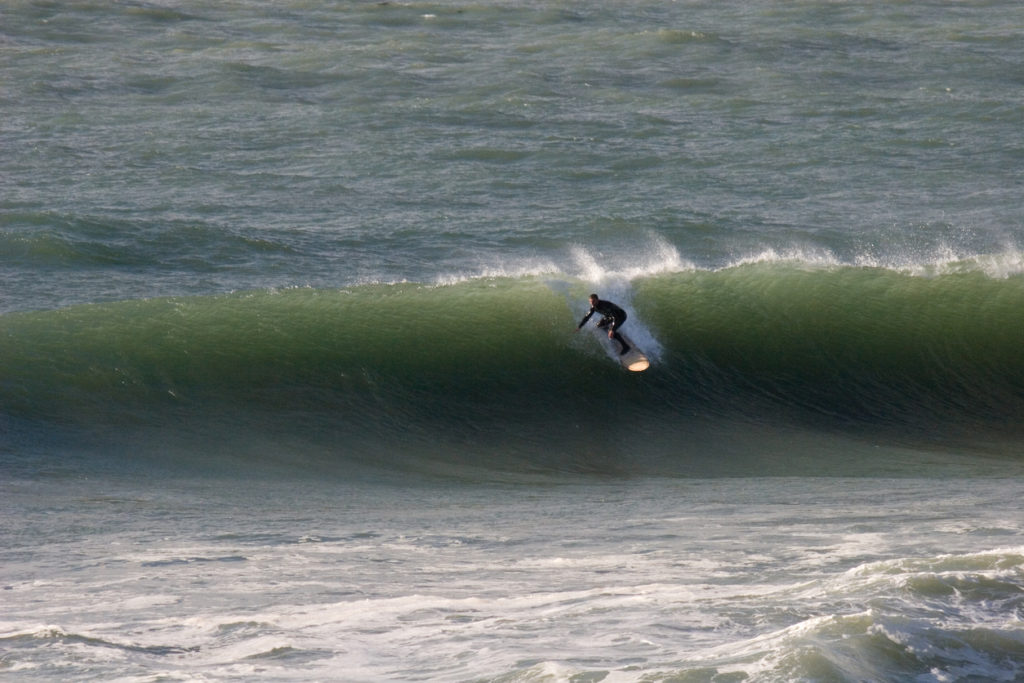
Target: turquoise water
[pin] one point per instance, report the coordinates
(289, 286)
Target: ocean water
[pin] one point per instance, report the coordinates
(290, 387)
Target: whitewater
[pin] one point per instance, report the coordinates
(290, 387)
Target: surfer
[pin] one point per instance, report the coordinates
(613, 317)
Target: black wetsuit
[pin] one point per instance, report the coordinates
(613, 315)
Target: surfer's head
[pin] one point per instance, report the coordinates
(593, 299)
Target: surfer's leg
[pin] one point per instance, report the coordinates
(625, 346)
(618, 337)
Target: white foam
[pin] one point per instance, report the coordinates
(821, 258)
(657, 256)
(941, 260)
(613, 274)
(149, 601)
(528, 268)
(654, 257)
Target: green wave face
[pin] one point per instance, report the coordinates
(858, 343)
(489, 361)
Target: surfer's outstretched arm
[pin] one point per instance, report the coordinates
(585, 319)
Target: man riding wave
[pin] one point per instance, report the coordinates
(612, 318)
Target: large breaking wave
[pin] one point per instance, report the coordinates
(492, 363)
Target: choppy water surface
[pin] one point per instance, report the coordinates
(288, 381)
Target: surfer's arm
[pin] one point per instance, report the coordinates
(585, 319)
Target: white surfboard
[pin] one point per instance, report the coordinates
(633, 360)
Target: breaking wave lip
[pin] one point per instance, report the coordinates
(523, 270)
(944, 260)
(581, 264)
(656, 255)
(653, 257)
